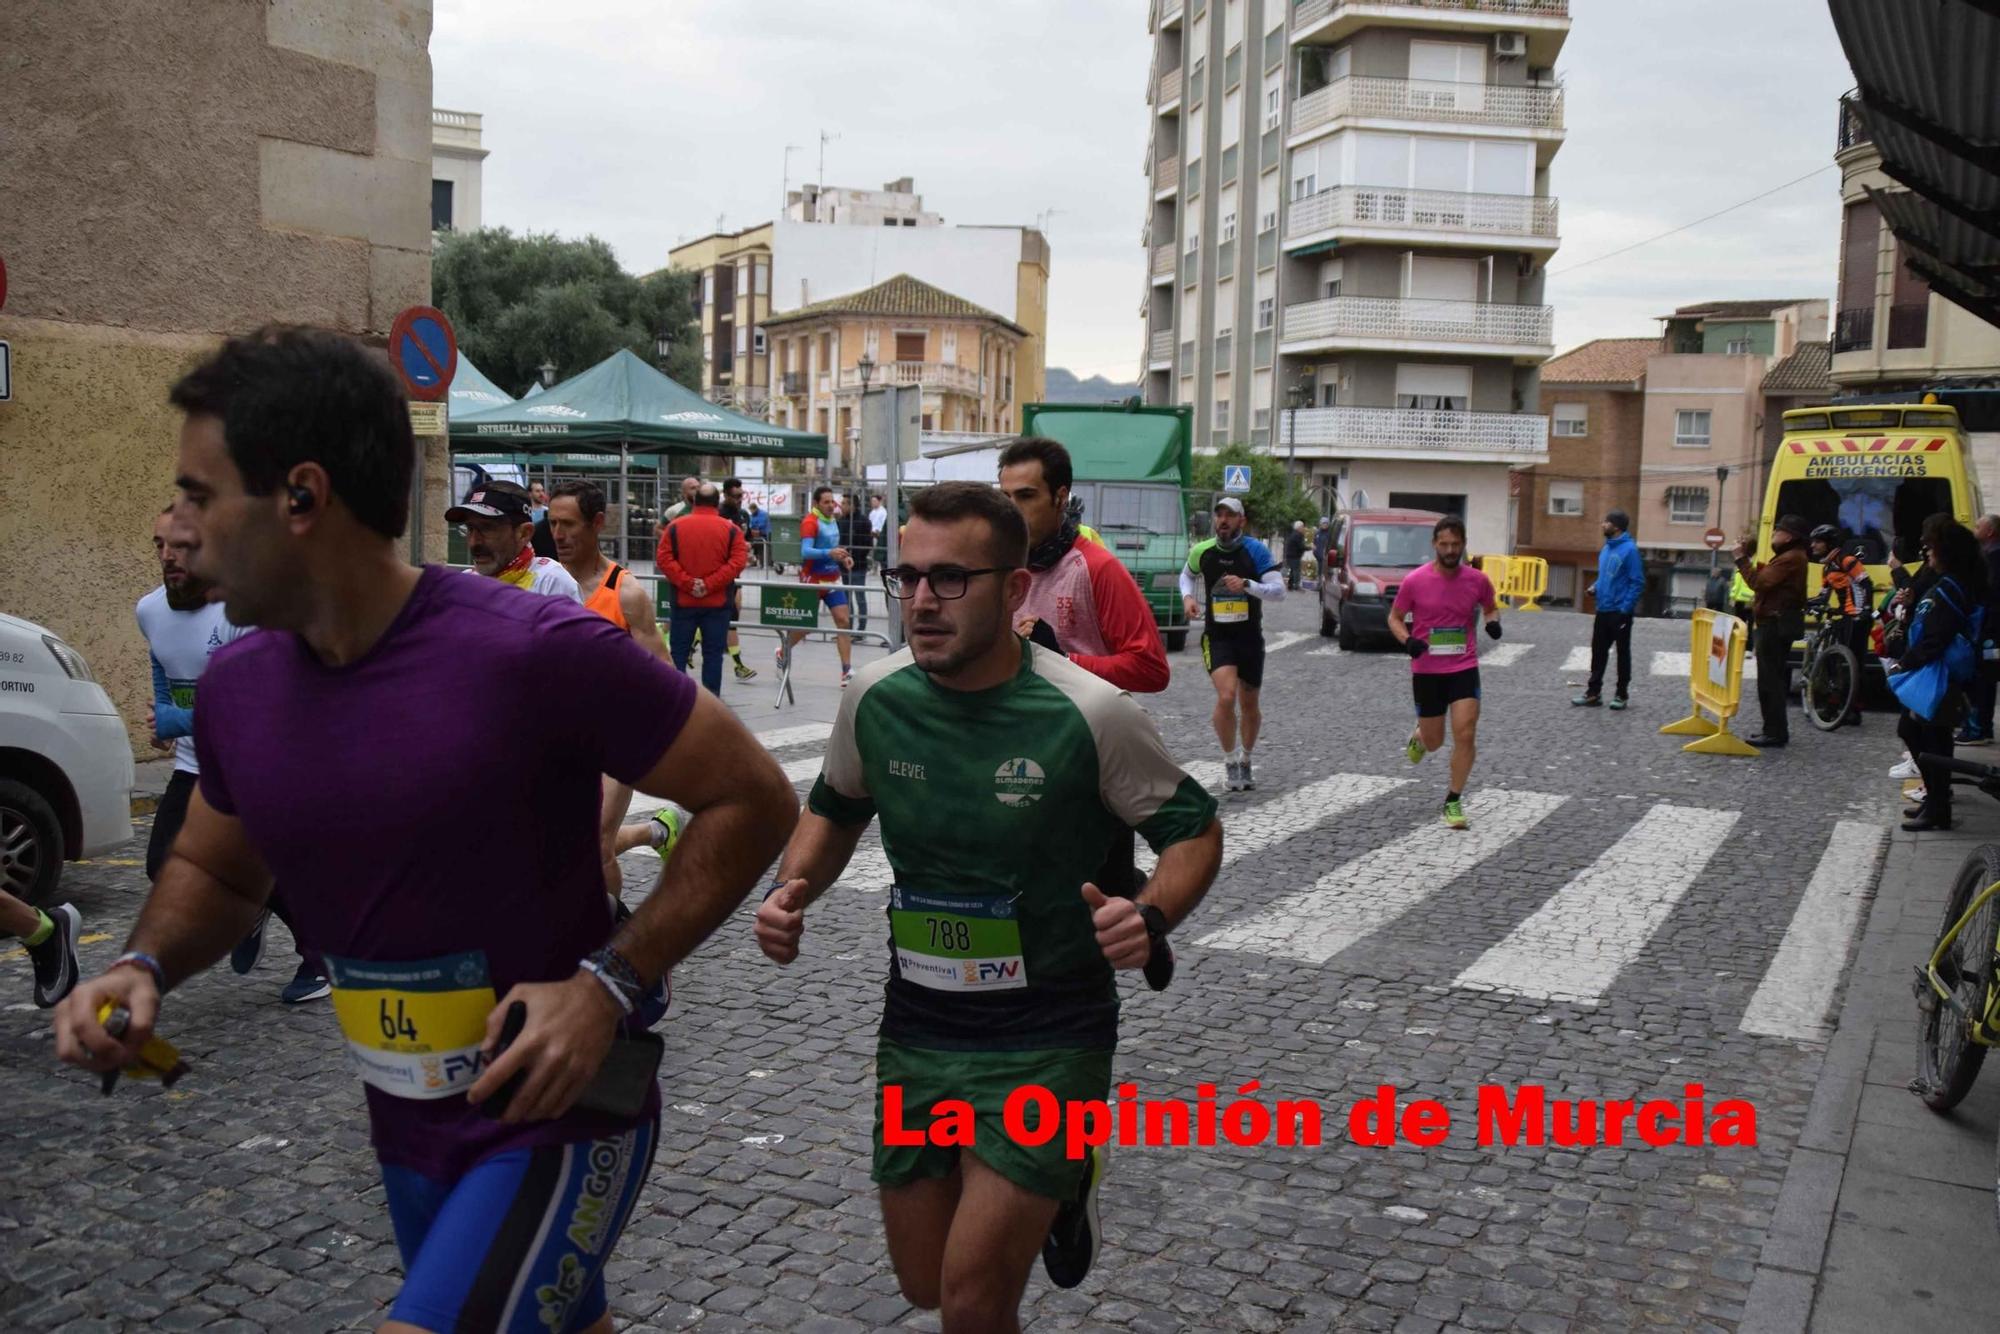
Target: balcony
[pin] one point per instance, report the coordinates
(1166, 176)
(792, 383)
(1401, 324)
(1425, 101)
(1503, 437)
(1853, 132)
(1387, 213)
(1170, 12)
(1160, 356)
(1163, 263)
(1167, 93)
(1854, 329)
(932, 375)
(1545, 22)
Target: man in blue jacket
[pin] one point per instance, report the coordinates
(1621, 579)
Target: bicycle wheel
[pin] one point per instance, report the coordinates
(1831, 684)
(1808, 656)
(1948, 1058)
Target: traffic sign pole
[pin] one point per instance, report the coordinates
(424, 350)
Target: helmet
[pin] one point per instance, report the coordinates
(1827, 533)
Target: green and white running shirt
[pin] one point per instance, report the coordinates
(996, 807)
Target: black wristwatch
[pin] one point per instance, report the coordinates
(1159, 966)
(1156, 926)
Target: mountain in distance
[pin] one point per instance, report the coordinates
(1060, 386)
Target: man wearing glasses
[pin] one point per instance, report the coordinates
(1000, 772)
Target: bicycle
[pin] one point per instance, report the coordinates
(1829, 674)
(1958, 987)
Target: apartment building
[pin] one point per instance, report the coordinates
(457, 164)
(1595, 399)
(1891, 331)
(731, 299)
(896, 204)
(1349, 212)
(965, 358)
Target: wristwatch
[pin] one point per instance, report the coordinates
(1156, 926)
(1159, 965)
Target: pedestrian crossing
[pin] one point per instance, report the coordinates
(1657, 664)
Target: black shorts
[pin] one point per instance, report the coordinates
(1243, 652)
(1436, 692)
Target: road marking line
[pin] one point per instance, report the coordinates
(1796, 994)
(21, 952)
(1577, 661)
(1503, 655)
(805, 733)
(1286, 640)
(1377, 888)
(1576, 944)
(1658, 664)
(1251, 829)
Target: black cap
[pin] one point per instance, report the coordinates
(495, 500)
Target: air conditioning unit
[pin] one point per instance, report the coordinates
(1511, 46)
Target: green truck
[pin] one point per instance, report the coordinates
(1133, 469)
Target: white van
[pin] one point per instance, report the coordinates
(65, 762)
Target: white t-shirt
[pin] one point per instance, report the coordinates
(181, 642)
(549, 579)
(878, 519)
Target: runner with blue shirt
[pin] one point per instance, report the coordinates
(1237, 576)
(823, 561)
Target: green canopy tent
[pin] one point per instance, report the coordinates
(472, 392)
(621, 407)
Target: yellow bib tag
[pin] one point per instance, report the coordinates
(1226, 611)
(414, 1029)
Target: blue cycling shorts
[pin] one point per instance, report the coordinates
(519, 1242)
(833, 596)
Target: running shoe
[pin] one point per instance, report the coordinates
(55, 958)
(1966, 736)
(846, 675)
(306, 985)
(1454, 814)
(1618, 701)
(1076, 1235)
(1917, 794)
(1249, 779)
(1235, 776)
(744, 671)
(665, 829)
(1587, 701)
(1415, 749)
(1905, 768)
(243, 959)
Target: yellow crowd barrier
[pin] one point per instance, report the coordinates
(1516, 577)
(1715, 684)
(1496, 569)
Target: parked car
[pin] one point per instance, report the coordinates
(1367, 558)
(65, 762)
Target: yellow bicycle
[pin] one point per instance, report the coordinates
(1958, 988)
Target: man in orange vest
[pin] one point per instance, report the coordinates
(576, 520)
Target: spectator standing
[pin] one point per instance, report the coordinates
(757, 527)
(702, 553)
(1777, 609)
(1957, 590)
(878, 520)
(857, 534)
(1978, 729)
(1322, 539)
(1621, 581)
(1295, 552)
(731, 509)
(689, 485)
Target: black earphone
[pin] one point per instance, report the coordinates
(302, 500)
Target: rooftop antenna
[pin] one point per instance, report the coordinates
(1042, 219)
(824, 140)
(790, 149)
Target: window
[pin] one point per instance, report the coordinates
(1194, 243)
(758, 345)
(1566, 498)
(1570, 419)
(1221, 414)
(1267, 312)
(440, 206)
(1271, 108)
(1303, 186)
(1687, 504)
(1737, 347)
(1229, 226)
(909, 347)
(742, 340)
(1691, 430)
(1260, 419)
(1268, 223)
(708, 287)
(1434, 388)
(762, 280)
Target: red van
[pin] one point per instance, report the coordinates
(1368, 556)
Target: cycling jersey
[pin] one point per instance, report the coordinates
(1240, 613)
(996, 806)
(1845, 578)
(818, 535)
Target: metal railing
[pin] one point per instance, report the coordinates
(793, 382)
(1537, 108)
(1163, 260)
(1421, 431)
(1419, 319)
(1169, 88)
(1854, 329)
(1162, 347)
(1305, 13)
(1422, 211)
(1167, 173)
(1853, 129)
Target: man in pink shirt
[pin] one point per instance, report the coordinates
(1433, 619)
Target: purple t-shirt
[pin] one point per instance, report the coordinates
(1445, 613)
(440, 796)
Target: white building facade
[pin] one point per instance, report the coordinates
(457, 162)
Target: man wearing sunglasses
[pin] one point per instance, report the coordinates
(1000, 770)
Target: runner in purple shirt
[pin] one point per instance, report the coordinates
(382, 746)
(1433, 618)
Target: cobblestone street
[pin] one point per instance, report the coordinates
(1611, 927)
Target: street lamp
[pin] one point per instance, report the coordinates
(1296, 397)
(548, 370)
(663, 347)
(867, 368)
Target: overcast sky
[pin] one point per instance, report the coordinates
(646, 121)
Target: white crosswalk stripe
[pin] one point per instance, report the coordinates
(804, 734)
(1251, 829)
(1576, 944)
(1504, 655)
(1277, 643)
(1657, 664)
(1796, 994)
(1378, 887)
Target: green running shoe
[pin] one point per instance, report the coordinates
(1415, 749)
(668, 821)
(1454, 814)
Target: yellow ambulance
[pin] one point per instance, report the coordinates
(1875, 470)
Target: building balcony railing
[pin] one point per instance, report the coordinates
(1163, 261)
(1534, 108)
(1853, 131)
(1381, 319)
(1305, 13)
(1162, 349)
(1854, 329)
(1395, 209)
(1420, 431)
(792, 382)
(937, 375)
(1167, 174)
(1169, 88)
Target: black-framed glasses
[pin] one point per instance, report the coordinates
(948, 582)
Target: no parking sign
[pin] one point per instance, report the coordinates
(424, 350)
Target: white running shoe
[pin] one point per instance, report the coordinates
(1906, 768)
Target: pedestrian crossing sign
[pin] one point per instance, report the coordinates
(1236, 478)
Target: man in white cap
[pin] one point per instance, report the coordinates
(1235, 575)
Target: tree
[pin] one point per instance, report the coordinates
(1275, 499)
(518, 301)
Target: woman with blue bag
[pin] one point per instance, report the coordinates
(1935, 670)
